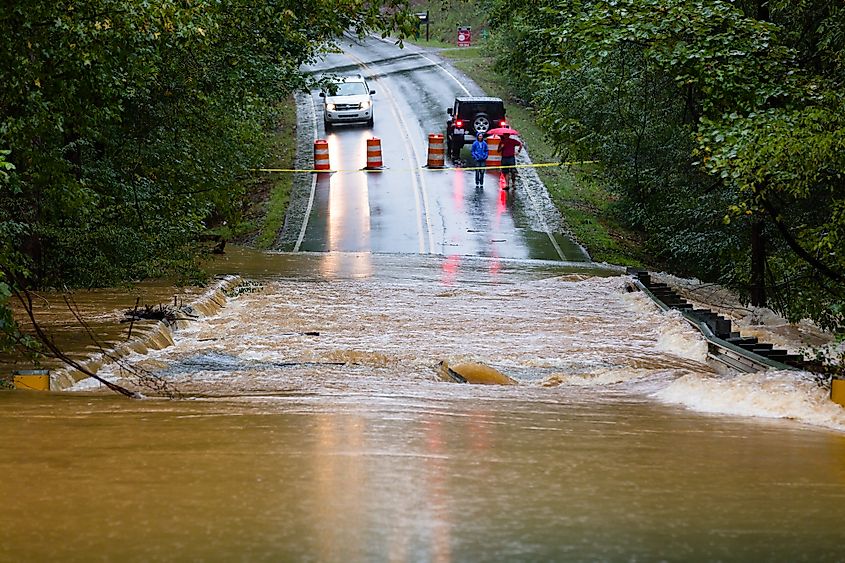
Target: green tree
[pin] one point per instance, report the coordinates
(718, 123)
(130, 123)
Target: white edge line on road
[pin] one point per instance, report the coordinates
(441, 67)
(313, 181)
(545, 225)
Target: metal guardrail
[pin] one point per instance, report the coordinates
(720, 350)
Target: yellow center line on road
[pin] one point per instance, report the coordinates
(423, 215)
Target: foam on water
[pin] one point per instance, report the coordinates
(675, 334)
(677, 337)
(774, 394)
(598, 378)
(563, 332)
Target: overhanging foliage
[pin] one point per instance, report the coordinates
(126, 125)
(719, 123)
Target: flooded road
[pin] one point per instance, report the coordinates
(457, 474)
(313, 424)
(314, 427)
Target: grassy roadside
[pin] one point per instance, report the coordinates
(268, 195)
(576, 190)
(445, 16)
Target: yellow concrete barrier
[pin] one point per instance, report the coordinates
(837, 391)
(32, 379)
(473, 372)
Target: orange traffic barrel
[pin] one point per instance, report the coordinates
(436, 151)
(374, 161)
(494, 155)
(321, 155)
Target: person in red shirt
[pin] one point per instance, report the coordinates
(510, 148)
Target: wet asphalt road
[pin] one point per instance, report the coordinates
(407, 208)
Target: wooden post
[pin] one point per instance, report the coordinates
(758, 265)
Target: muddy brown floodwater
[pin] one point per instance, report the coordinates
(102, 310)
(345, 445)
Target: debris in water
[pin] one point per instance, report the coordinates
(473, 372)
(151, 312)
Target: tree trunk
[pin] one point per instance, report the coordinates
(763, 13)
(758, 265)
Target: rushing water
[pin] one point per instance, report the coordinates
(314, 427)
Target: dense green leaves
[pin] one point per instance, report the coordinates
(130, 123)
(714, 120)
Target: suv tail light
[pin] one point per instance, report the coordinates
(503, 123)
(459, 124)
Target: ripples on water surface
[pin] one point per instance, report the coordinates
(345, 446)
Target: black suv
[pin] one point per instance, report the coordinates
(469, 116)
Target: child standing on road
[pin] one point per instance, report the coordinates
(479, 153)
(509, 147)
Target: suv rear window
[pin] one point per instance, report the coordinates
(467, 110)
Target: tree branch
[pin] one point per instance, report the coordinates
(26, 301)
(796, 246)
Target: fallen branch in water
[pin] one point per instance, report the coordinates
(25, 299)
(149, 312)
(132, 322)
(142, 377)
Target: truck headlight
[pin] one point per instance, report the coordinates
(330, 107)
(366, 104)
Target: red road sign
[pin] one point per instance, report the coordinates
(464, 36)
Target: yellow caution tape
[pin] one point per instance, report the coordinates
(537, 165)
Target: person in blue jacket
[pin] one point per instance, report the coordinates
(479, 153)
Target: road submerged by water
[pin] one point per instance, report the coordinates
(314, 425)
